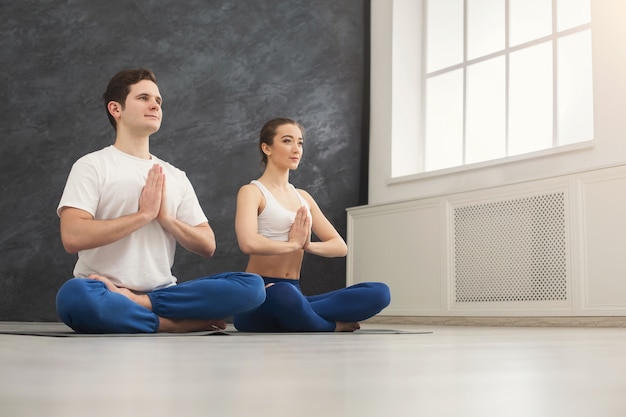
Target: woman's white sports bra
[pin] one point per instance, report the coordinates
(275, 221)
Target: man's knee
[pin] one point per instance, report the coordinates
(69, 293)
(255, 288)
(74, 298)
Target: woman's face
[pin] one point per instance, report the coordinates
(287, 149)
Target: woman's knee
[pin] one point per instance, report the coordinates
(380, 294)
(284, 296)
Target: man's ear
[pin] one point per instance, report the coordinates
(114, 108)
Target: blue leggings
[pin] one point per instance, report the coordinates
(87, 306)
(286, 309)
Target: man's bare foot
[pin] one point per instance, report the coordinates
(341, 326)
(189, 325)
(141, 299)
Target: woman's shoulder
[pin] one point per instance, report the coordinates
(252, 185)
(302, 191)
(305, 194)
(250, 189)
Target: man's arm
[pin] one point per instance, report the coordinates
(80, 231)
(198, 239)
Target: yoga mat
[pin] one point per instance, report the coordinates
(371, 331)
(61, 330)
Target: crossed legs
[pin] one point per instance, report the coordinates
(286, 310)
(95, 305)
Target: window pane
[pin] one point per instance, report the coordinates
(444, 34)
(485, 27)
(530, 19)
(444, 121)
(575, 96)
(485, 128)
(530, 99)
(571, 13)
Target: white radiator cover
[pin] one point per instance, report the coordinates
(554, 247)
(511, 250)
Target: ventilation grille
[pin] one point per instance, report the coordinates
(511, 251)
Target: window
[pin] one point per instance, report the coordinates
(504, 78)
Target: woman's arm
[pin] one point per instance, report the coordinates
(249, 200)
(331, 244)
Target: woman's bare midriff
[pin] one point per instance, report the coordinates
(276, 266)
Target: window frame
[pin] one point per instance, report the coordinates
(553, 38)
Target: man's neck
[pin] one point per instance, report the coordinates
(135, 146)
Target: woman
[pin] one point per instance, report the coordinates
(273, 223)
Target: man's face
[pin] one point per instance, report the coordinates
(142, 111)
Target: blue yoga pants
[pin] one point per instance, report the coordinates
(286, 309)
(87, 306)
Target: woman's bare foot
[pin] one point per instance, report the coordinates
(141, 299)
(189, 325)
(341, 326)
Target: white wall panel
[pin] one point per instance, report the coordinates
(400, 245)
(569, 233)
(604, 234)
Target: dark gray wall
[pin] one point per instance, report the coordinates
(224, 68)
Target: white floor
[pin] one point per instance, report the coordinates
(455, 371)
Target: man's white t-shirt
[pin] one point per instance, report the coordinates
(107, 184)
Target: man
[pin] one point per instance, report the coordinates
(123, 210)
